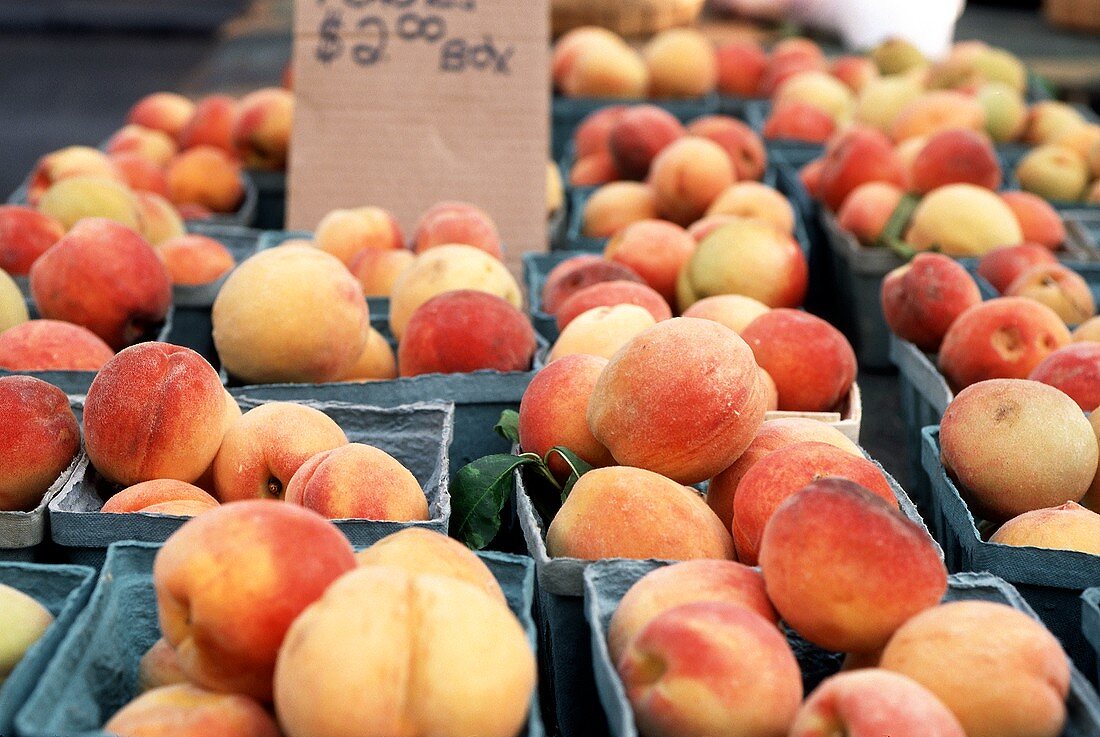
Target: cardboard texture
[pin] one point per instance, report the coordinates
(22, 532)
(403, 105)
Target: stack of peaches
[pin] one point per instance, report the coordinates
(382, 639)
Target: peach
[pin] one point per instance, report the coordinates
(1058, 287)
(867, 210)
(655, 250)
(423, 632)
(741, 66)
(782, 68)
(52, 345)
(962, 220)
(76, 198)
(159, 667)
(1005, 111)
(1049, 120)
(180, 508)
(205, 176)
(186, 710)
(1039, 222)
(140, 174)
(593, 135)
(265, 447)
(746, 257)
(881, 100)
(40, 437)
(1053, 173)
(821, 90)
(163, 111)
(755, 200)
(601, 331)
(593, 170)
(457, 222)
(921, 299)
(998, 670)
(682, 399)
(797, 47)
(777, 476)
(700, 229)
(211, 124)
(377, 362)
(13, 306)
(681, 63)
(938, 111)
(576, 273)
(261, 133)
(711, 668)
(616, 205)
(897, 56)
(1088, 331)
(812, 363)
(158, 219)
(25, 234)
(773, 435)
(873, 702)
(567, 48)
(954, 156)
(858, 156)
(687, 176)
(607, 68)
(195, 211)
(668, 587)
(740, 142)
(193, 259)
(799, 121)
(357, 481)
(1094, 160)
(1066, 527)
(639, 134)
(1081, 139)
(854, 71)
(623, 512)
(735, 311)
(141, 496)
(105, 277)
(998, 65)
(347, 233)
(148, 143)
(66, 163)
(554, 412)
(377, 270)
(419, 551)
(609, 294)
(465, 330)
(555, 191)
(290, 313)
(445, 269)
(1075, 370)
(230, 582)
(993, 418)
(907, 152)
(1092, 195)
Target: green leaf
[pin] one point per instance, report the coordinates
(895, 226)
(901, 248)
(508, 425)
(577, 465)
(479, 492)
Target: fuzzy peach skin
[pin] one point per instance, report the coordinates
(812, 363)
(185, 710)
(1074, 370)
(159, 667)
(419, 551)
(66, 163)
(624, 512)
(205, 176)
(655, 250)
(290, 313)
(423, 632)
(963, 220)
(1087, 331)
(799, 121)
(735, 311)
(25, 234)
(594, 132)
(711, 668)
(554, 409)
(687, 176)
(857, 156)
(573, 44)
(1004, 338)
(954, 156)
(73, 199)
(777, 476)
(773, 435)
(880, 100)
(1053, 173)
(921, 299)
(465, 330)
(755, 200)
(38, 440)
(854, 71)
(682, 399)
(1039, 221)
(871, 703)
(741, 66)
(1058, 287)
(158, 219)
(357, 481)
(445, 269)
(742, 145)
(1066, 527)
(746, 257)
(157, 491)
(377, 271)
(231, 581)
(347, 233)
(1002, 266)
(162, 111)
(609, 294)
(140, 174)
(265, 447)
(998, 670)
(13, 305)
(211, 124)
(638, 135)
(782, 68)
(936, 111)
(52, 345)
(867, 209)
(151, 144)
(1005, 111)
(616, 205)
(820, 89)
(180, 508)
(377, 362)
(993, 420)
(845, 569)
(895, 56)
(593, 170)
(605, 68)
(261, 133)
(154, 411)
(688, 582)
(601, 331)
(457, 222)
(194, 259)
(577, 273)
(681, 63)
(1049, 120)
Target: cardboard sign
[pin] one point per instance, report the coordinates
(404, 103)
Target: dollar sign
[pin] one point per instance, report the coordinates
(329, 44)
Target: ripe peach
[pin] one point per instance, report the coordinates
(741, 66)
(594, 132)
(105, 277)
(700, 229)
(162, 111)
(1080, 139)
(735, 311)
(52, 345)
(211, 124)
(962, 220)
(377, 270)
(140, 174)
(140, 496)
(357, 481)
(609, 294)
(1005, 111)
(39, 439)
(377, 362)
(616, 205)
(937, 111)
(1019, 691)
(867, 209)
(148, 143)
(858, 156)
(799, 121)
(1075, 370)
(457, 222)
(797, 47)
(1088, 331)
(576, 273)
(1053, 173)
(1039, 222)
(755, 200)
(159, 667)
(231, 581)
(681, 63)
(782, 68)
(881, 100)
(194, 259)
(740, 142)
(572, 44)
(186, 710)
(593, 170)
(66, 163)
(601, 331)
(606, 68)
(347, 233)
(25, 234)
(623, 512)
(954, 156)
(1067, 527)
(682, 398)
(205, 176)
(261, 134)
(639, 134)
(1058, 287)
(76, 198)
(687, 176)
(13, 306)
(854, 71)
(158, 219)
(819, 89)
(555, 192)
(655, 250)
(921, 299)
(1049, 120)
(896, 56)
